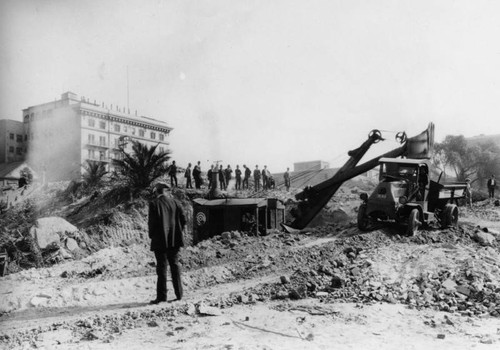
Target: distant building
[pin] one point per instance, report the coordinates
(63, 134)
(12, 141)
(11, 172)
(310, 165)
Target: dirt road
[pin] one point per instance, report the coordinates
(330, 288)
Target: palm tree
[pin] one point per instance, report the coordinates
(141, 167)
(94, 173)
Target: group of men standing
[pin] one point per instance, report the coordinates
(189, 174)
(224, 175)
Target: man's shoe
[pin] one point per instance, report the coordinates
(157, 301)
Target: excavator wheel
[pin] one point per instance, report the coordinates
(363, 219)
(414, 222)
(449, 216)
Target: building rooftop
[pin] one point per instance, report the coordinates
(87, 104)
(7, 168)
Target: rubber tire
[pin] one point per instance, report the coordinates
(363, 219)
(413, 222)
(449, 216)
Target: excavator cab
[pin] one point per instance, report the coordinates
(403, 187)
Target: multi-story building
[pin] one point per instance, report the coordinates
(63, 134)
(12, 141)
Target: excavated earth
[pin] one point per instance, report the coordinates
(330, 286)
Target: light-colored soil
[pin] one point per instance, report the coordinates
(100, 302)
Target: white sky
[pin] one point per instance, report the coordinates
(262, 82)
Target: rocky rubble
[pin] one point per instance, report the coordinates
(456, 270)
(344, 272)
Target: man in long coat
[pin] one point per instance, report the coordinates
(166, 222)
(197, 175)
(256, 178)
(492, 183)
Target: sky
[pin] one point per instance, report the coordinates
(262, 82)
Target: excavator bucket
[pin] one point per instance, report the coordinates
(420, 146)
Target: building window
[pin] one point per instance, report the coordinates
(102, 140)
(19, 138)
(117, 143)
(11, 149)
(132, 130)
(162, 149)
(117, 127)
(153, 135)
(102, 155)
(11, 136)
(91, 153)
(125, 129)
(162, 137)
(102, 125)
(91, 139)
(91, 122)
(141, 133)
(19, 150)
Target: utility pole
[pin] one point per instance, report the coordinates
(128, 94)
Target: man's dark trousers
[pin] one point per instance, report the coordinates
(170, 255)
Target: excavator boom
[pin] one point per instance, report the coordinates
(313, 199)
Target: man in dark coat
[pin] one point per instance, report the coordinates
(209, 176)
(222, 178)
(172, 172)
(166, 221)
(187, 175)
(228, 174)
(256, 178)
(492, 183)
(237, 174)
(248, 172)
(197, 175)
